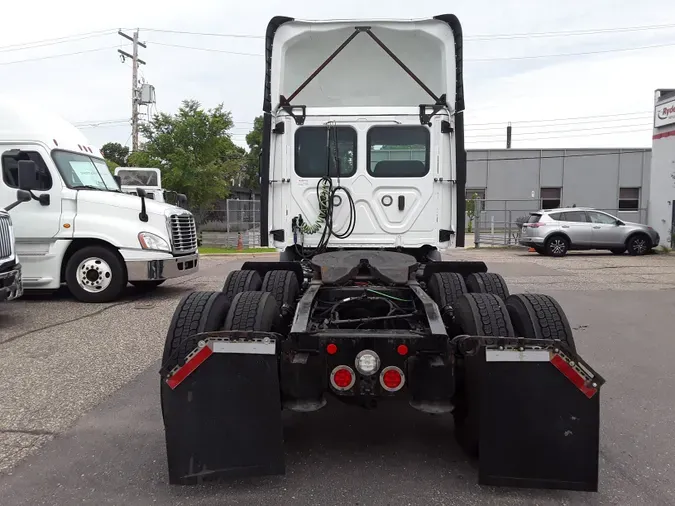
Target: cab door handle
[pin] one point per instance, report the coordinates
(401, 202)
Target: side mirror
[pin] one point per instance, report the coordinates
(28, 175)
(182, 200)
(21, 196)
(118, 180)
(619, 223)
(140, 192)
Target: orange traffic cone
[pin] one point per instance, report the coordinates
(531, 250)
(240, 243)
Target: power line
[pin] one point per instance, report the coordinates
(528, 135)
(469, 60)
(595, 31)
(205, 49)
(60, 55)
(568, 118)
(231, 35)
(575, 123)
(560, 55)
(56, 40)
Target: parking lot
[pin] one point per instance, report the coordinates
(80, 421)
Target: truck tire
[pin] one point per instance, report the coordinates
(241, 281)
(538, 316)
(445, 288)
(487, 282)
(252, 311)
(96, 274)
(477, 314)
(483, 314)
(283, 285)
(197, 312)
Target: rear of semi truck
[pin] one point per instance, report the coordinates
(362, 192)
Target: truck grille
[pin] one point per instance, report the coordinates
(5, 237)
(183, 233)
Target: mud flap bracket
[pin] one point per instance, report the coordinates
(223, 418)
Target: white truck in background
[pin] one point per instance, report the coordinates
(79, 228)
(149, 179)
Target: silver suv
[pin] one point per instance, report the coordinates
(556, 231)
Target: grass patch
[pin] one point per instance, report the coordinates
(217, 251)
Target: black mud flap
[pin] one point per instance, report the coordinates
(537, 420)
(223, 418)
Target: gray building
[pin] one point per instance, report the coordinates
(510, 183)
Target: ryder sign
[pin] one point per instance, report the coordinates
(664, 114)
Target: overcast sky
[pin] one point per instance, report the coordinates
(93, 87)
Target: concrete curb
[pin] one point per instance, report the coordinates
(237, 255)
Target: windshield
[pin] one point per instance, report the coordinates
(136, 177)
(83, 171)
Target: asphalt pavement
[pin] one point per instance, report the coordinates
(80, 421)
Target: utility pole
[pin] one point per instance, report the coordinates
(134, 83)
(508, 136)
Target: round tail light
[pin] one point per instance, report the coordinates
(342, 378)
(392, 378)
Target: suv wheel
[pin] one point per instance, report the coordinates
(557, 246)
(639, 244)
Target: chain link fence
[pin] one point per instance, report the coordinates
(229, 223)
(500, 222)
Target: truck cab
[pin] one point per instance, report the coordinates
(79, 228)
(376, 162)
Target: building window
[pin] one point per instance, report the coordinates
(550, 197)
(480, 197)
(398, 151)
(629, 199)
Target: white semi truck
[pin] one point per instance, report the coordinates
(363, 172)
(79, 228)
(149, 180)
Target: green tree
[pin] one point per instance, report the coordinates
(254, 140)
(194, 151)
(471, 211)
(116, 153)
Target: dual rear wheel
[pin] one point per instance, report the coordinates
(482, 306)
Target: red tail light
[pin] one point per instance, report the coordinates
(536, 225)
(331, 349)
(342, 378)
(392, 378)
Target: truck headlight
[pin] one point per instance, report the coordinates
(153, 241)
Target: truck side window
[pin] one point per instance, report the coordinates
(10, 170)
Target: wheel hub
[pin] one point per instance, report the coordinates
(557, 246)
(94, 275)
(640, 246)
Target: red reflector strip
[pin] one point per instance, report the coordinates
(573, 375)
(187, 369)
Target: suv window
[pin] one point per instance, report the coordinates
(313, 157)
(557, 216)
(10, 170)
(575, 216)
(398, 151)
(534, 218)
(601, 218)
